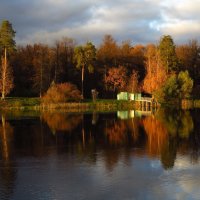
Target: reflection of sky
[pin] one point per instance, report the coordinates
(67, 177)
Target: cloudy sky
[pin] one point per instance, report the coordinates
(141, 21)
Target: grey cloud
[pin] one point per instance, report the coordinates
(40, 14)
(141, 21)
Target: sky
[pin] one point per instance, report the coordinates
(139, 21)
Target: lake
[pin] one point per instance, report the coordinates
(124, 155)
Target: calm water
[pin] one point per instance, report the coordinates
(114, 156)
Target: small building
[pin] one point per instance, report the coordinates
(123, 96)
(129, 96)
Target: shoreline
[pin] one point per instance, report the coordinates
(99, 105)
(35, 105)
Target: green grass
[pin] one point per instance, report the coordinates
(19, 103)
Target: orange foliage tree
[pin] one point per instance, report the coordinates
(108, 51)
(133, 84)
(116, 78)
(155, 72)
(63, 92)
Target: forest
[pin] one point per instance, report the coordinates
(165, 70)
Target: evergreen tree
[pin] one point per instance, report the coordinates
(176, 87)
(168, 54)
(7, 45)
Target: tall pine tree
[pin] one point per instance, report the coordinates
(168, 54)
(7, 46)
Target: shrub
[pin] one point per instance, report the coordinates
(176, 87)
(60, 93)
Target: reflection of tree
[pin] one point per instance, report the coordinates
(157, 135)
(193, 141)
(122, 131)
(168, 153)
(178, 123)
(7, 170)
(111, 158)
(186, 126)
(6, 134)
(62, 121)
(133, 126)
(164, 131)
(119, 133)
(116, 132)
(159, 141)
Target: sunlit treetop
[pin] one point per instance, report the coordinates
(7, 35)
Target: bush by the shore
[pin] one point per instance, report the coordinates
(61, 93)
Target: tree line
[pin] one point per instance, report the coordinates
(165, 70)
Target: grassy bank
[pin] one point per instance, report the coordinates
(19, 103)
(87, 105)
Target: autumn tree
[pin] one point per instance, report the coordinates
(23, 71)
(107, 55)
(62, 59)
(37, 65)
(7, 45)
(189, 59)
(84, 56)
(60, 93)
(133, 84)
(108, 51)
(42, 69)
(116, 78)
(125, 56)
(155, 72)
(138, 60)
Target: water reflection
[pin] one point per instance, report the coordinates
(159, 135)
(61, 121)
(178, 123)
(96, 143)
(7, 170)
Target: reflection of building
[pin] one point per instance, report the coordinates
(128, 114)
